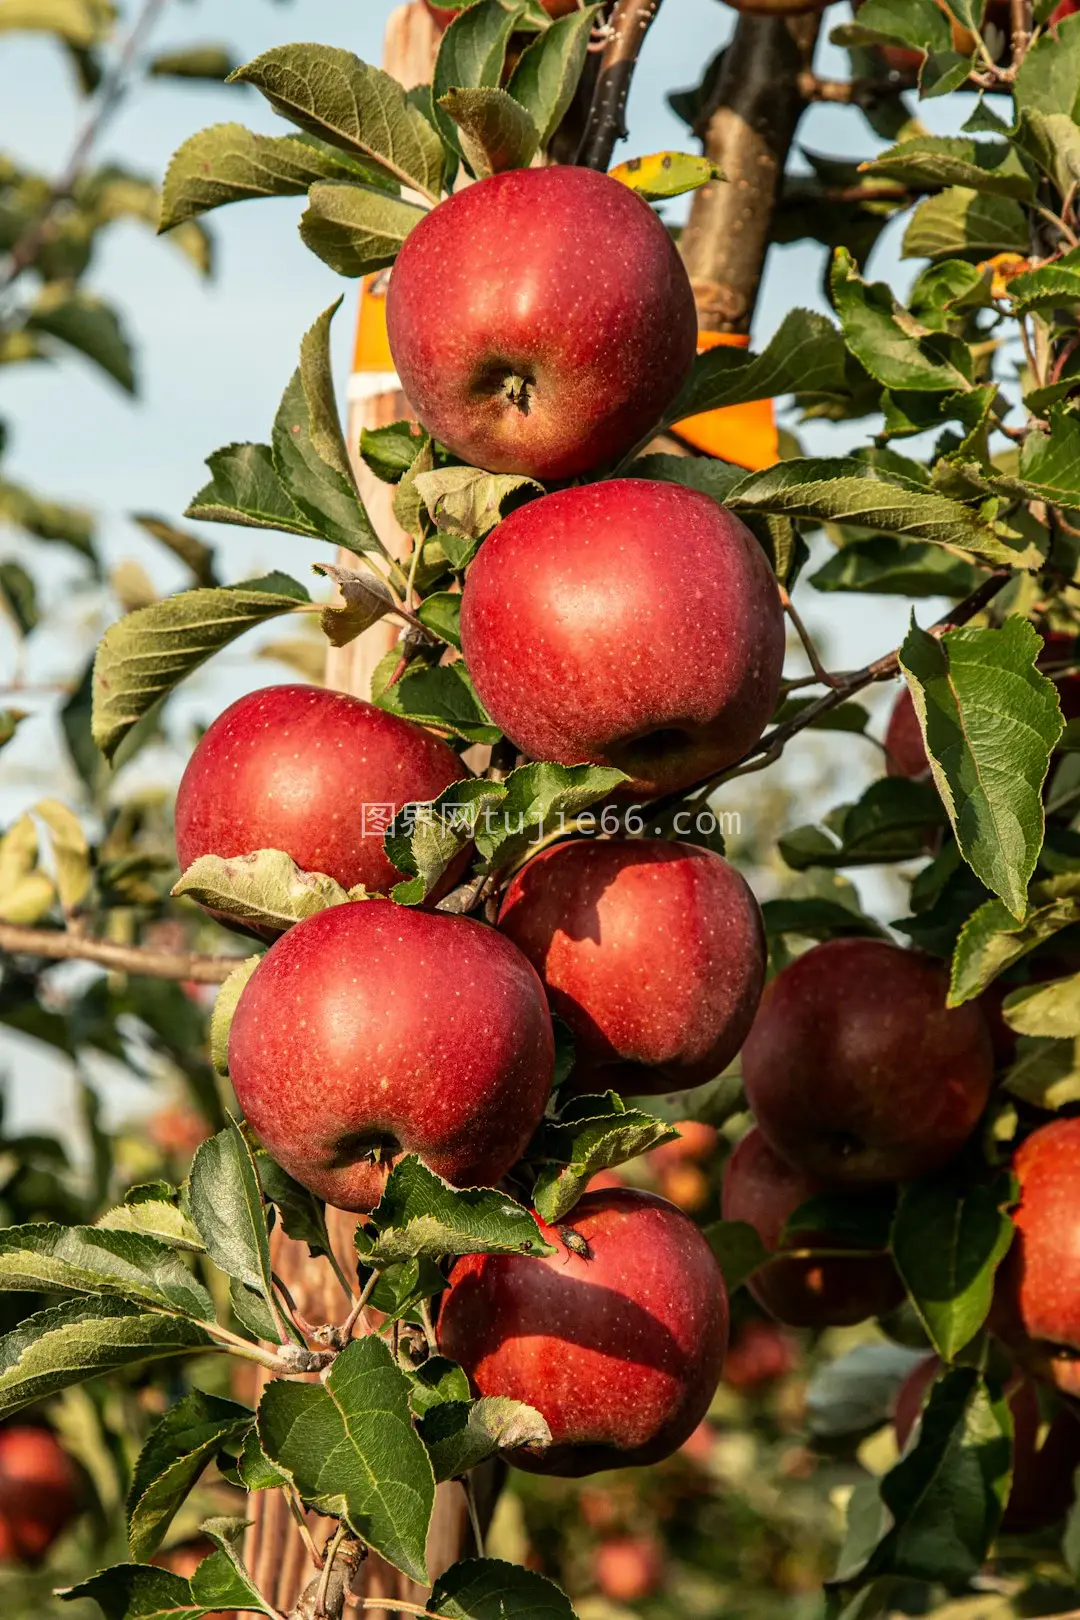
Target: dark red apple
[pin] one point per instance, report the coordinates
(905, 750)
(764, 1190)
(1045, 1455)
(371, 1030)
(39, 1492)
(857, 1071)
(629, 1568)
(318, 774)
(1037, 1298)
(627, 623)
(618, 1338)
(541, 321)
(653, 952)
(760, 1353)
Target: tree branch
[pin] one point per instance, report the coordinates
(759, 101)
(28, 245)
(630, 22)
(59, 945)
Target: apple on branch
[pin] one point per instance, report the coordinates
(618, 1338)
(630, 623)
(371, 1030)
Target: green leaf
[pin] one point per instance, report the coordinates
(1049, 76)
(136, 1592)
(460, 1435)
(889, 823)
(436, 1380)
(48, 520)
(421, 1215)
(18, 597)
(956, 160)
(887, 340)
(948, 1241)
(1050, 462)
(334, 95)
(806, 355)
(471, 56)
(356, 229)
(81, 24)
(349, 1447)
(71, 853)
(665, 174)
(888, 565)
(947, 1493)
(366, 601)
(179, 1447)
(255, 1469)
(817, 918)
(738, 1249)
(221, 1580)
(990, 721)
(1050, 284)
(423, 839)
(856, 1393)
(89, 326)
(1051, 1010)
(441, 614)
(441, 696)
(917, 23)
(390, 451)
(488, 1589)
(547, 72)
(466, 501)
(10, 721)
(53, 1259)
(225, 1005)
(265, 889)
(224, 1200)
(246, 489)
(1046, 1073)
(1053, 141)
(849, 491)
(993, 939)
(538, 797)
(961, 223)
(151, 1210)
(401, 1289)
(213, 62)
(593, 1133)
(495, 131)
(83, 1338)
(143, 656)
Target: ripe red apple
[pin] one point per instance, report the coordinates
(541, 321)
(764, 1190)
(1067, 8)
(857, 1071)
(696, 1141)
(39, 1492)
(653, 952)
(1037, 1298)
(905, 750)
(1045, 1455)
(629, 1568)
(760, 1353)
(618, 1338)
(627, 623)
(318, 774)
(371, 1030)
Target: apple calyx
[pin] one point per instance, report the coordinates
(518, 391)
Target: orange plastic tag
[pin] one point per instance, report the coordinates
(372, 351)
(744, 434)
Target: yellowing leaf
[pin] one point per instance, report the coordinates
(665, 174)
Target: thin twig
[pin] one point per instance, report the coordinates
(28, 245)
(296, 1508)
(237, 1346)
(399, 1606)
(328, 1566)
(630, 22)
(429, 1329)
(820, 672)
(59, 945)
(474, 1517)
(354, 1315)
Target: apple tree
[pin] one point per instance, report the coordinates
(494, 942)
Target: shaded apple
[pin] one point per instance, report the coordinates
(653, 952)
(857, 1071)
(541, 321)
(315, 773)
(905, 750)
(628, 1568)
(618, 1340)
(370, 1031)
(39, 1492)
(764, 1190)
(628, 623)
(1037, 1297)
(1046, 1455)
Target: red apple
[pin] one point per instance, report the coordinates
(628, 1568)
(1045, 1456)
(759, 1354)
(696, 1140)
(318, 774)
(762, 1189)
(653, 953)
(618, 1338)
(370, 1031)
(905, 750)
(857, 1071)
(1067, 8)
(39, 1492)
(627, 623)
(541, 321)
(1037, 1298)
